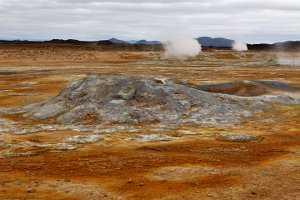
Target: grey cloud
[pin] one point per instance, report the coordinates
(247, 20)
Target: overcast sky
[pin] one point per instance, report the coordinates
(246, 20)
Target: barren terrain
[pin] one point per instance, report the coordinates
(256, 157)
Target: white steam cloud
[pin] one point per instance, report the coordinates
(290, 59)
(180, 46)
(239, 46)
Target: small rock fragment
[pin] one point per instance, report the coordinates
(83, 139)
(31, 190)
(237, 137)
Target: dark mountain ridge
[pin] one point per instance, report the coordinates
(206, 42)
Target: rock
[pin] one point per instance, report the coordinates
(64, 147)
(125, 100)
(237, 137)
(77, 114)
(126, 92)
(187, 132)
(246, 113)
(57, 146)
(138, 100)
(287, 100)
(49, 110)
(212, 194)
(260, 106)
(31, 190)
(238, 88)
(247, 88)
(83, 139)
(153, 137)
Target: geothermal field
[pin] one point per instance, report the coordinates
(84, 121)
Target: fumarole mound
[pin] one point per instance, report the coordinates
(106, 99)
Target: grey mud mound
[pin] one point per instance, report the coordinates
(106, 99)
(246, 88)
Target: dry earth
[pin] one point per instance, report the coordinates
(138, 161)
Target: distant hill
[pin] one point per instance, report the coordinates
(132, 41)
(147, 42)
(279, 46)
(70, 41)
(104, 42)
(288, 45)
(117, 41)
(215, 42)
(206, 42)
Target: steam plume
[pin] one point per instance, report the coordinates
(239, 46)
(292, 60)
(181, 46)
(287, 54)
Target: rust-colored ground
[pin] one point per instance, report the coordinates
(192, 167)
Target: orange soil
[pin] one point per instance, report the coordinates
(267, 169)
